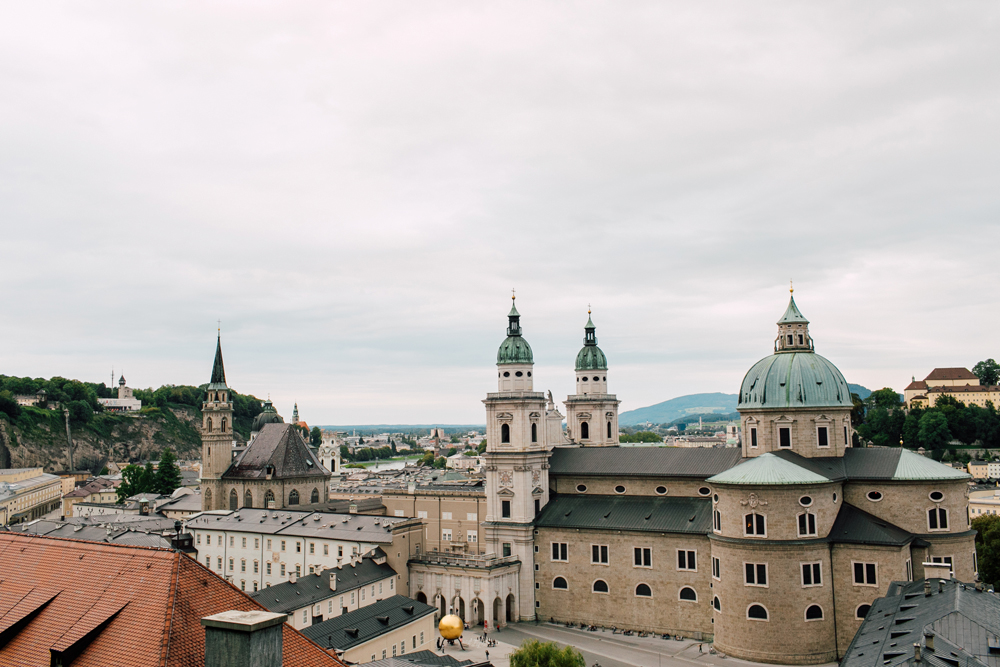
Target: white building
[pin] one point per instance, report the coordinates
(125, 402)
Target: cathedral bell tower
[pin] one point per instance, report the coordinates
(216, 434)
(516, 460)
(592, 413)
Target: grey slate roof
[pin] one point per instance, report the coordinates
(397, 612)
(855, 526)
(420, 659)
(643, 461)
(895, 463)
(313, 588)
(352, 527)
(638, 513)
(281, 446)
(965, 623)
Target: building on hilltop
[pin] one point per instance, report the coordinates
(959, 383)
(125, 402)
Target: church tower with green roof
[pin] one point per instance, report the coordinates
(592, 413)
(216, 433)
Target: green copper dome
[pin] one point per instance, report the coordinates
(514, 350)
(268, 416)
(794, 380)
(590, 357)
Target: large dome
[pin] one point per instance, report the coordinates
(794, 380)
(268, 416)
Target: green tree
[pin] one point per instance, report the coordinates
(168, 475)
(533, 653)
(441, 462)
(987, 371)
(482, 447)
(345, 453)
(452, 451)
(8, 404)
(988, 547)
(911, 429)
(641, 436)
(315, 436)
(135, 480)
(80, 411)
(884, 398)
(934, 433)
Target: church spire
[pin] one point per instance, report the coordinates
(218, 369)
(793, 329)
(514, 318)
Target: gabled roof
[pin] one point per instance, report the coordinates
(768, 469)
(950, 374)
(897, 464)
(642, 461)
(916, 385)
(855, 526)
(367, 623)
(116, 605)
(279, 446)
(313, 588)
(963, 620)
(636, 513)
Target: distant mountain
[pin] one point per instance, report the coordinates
(675, 408)
(694, 404)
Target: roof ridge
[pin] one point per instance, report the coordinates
(169, 620)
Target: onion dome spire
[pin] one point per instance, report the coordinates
(514, 350)
(590, 356)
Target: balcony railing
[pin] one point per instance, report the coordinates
(463, 560)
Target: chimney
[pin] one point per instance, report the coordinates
(291, 576)
(929, 640)
(333, 580)
(916, 653)
(940, 585)
(927, 588)
(243, 639)
(353, 508)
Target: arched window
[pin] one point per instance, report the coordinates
(687, 593)
(534, 432)
(609, 430)
(937, 518)
(862, 611)
(807, 524)
(559, 582)
(505, 433)
(756, 612)
(248, 499)
(268, 499)
(716, 604)
(223, 425)
(208, 498)
(643, 591)
(584, 431)
(234, 500)
(814, 613)
(314, 498)
(293, 497)
(755, 524)
(600, 586)
(717, 521)
(208, 424)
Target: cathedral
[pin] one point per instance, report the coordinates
(276, 469)
(775, 551)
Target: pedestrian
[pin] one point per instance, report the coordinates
(487, 655)
(699, 649)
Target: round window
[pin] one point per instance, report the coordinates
(518, 374)
(805, 501)
(506, 374)
(936, 496)
(585, 378)
(529, 373)
(704, 491)
(715, 498)
(874, 496)
(661, 490)
(619, 489)
(581, 488)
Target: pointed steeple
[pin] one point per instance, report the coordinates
(218, 369)
(589, 336)
(792, 314)
(793, 330)
(514, 319)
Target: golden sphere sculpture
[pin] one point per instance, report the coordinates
(451, 627)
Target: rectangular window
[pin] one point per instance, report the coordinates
(220, 563)
(643, 557)
(506, 549)
(471, 516)
(394, 650)
(755, 574)
(256, 543)
(422, 514)
(326, 549)
(446, 516)
(446, 534)
(362, 595)
(312, 548)
(421, 639)
(807, 524)
(269, 545)
(244, 543)
(232, 541)
(414, 645)
(198, 540)
(909, 570)
(282, 569)
(784, 437)
(256, 567)
(298, 570)
(755, 525)
(821, 435)
(268, 568)
(352, 597)
(716, 568)
(282, 545)
(471, 536)
(208, 562)
(243, 565)
(599, 554)
(208, 539)
(505, 509)
(340, 551)
(397, 512)
(753, 436)
(305, 615)
(865, 574)
(845, 436)
(686, 560)
(811, 574)
(560, 551)
(298, 547)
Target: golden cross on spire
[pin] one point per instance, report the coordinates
(588, 309)
(220, 326)
(790, 288)
(513, 295)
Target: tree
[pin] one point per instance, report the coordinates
(345, 453)
(80, 411)
(641, 436)
(427, 459)
(8, 404)
(441, 462)
(858, 411)
(911, 429)
(884, 398)
(934, 433)
(452, 451)
(168, 475)
(534, 653)
(315, 436)
(482, 447)
(136, 480)
(987, 371)
(988, 547)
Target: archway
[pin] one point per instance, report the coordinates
(478, 612)
(442, 606)
(421, 597)
(460, 607)
(510, 608)
(497, 616)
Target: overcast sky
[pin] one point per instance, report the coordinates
(354, 188)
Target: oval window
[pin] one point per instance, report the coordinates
(581, 488)
(835, 497)
(805, 501)
(604, 379)
(518, 374)
(715, 498)
(529, 373)
(506, 374)
(619, 489)
(936, 496)
(874, 496)
(704, 491)
(661, 490)
(585, 378)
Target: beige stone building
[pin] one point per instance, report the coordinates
(27, 494)
(959, 383)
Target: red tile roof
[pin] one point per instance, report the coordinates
(916, 384)
(116, 605)
(950, 374)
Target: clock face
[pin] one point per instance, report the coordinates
(506, 478)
